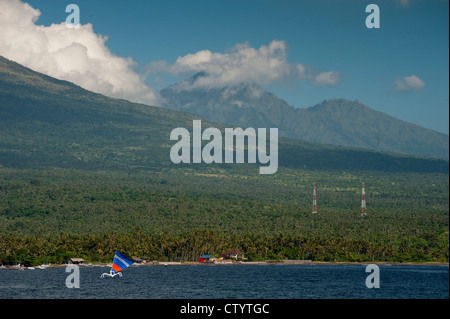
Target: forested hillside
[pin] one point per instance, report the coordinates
(82, 174)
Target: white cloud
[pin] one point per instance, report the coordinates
(409, 83)
(330, 78)
(81, 56)
(77, 55)
(242, 64)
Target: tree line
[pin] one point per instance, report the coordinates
(36, 250)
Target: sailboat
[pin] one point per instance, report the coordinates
(120, 262)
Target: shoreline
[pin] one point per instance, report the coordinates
(234, 263)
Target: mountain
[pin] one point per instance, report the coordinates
(336, 122)
(48, 122)
(82, 174)
(45, 122)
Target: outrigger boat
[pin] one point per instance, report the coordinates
(120, 262)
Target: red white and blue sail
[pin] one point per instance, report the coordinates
(120, 262)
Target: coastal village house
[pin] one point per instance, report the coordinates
(234, 253)
(76, 261)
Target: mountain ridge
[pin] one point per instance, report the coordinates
(45, 122)
(336, 122)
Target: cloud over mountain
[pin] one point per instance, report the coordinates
(242, 64)
(81, 56)
(78, 55)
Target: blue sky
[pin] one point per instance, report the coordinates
(322, 35)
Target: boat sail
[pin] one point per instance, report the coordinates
(120, 262)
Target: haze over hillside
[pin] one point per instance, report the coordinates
(336, 122)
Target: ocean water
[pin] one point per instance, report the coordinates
(230, 282)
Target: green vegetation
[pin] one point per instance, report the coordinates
(178, 214)
(82, 175)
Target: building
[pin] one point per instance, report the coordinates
(204, 258)
(76, 261)
(234, 253)
(208, 259)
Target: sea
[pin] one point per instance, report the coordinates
(271, 281)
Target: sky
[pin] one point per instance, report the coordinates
(303, 51)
